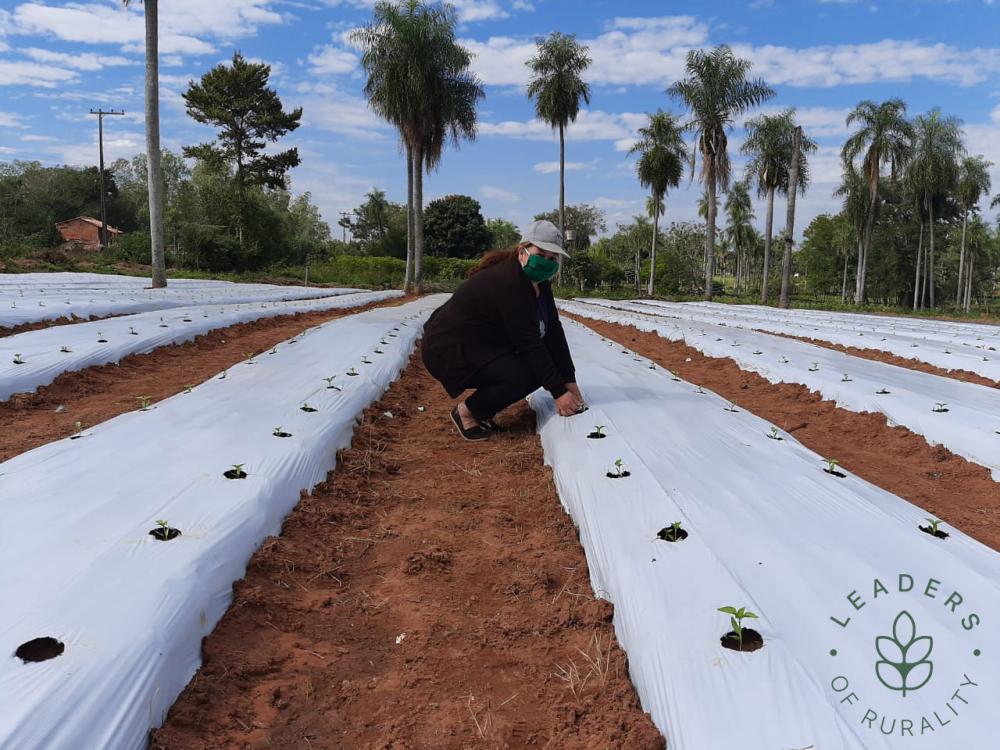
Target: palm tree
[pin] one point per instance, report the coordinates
(739, 228)
(557, 86)
(854, 208)
(154, 174)
(716, 91)
(884, 137)
(973, 183)
(375, 209)
(418, 80)
(662, 154)
(933, 169)
(769, 146)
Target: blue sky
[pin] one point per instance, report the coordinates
(58, 59)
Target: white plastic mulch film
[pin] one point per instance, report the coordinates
(951, 345)
(34, 297)
(78, 563)
(963, 417)
(877, 635)
(35, 358)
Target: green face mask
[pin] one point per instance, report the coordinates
(540, 269)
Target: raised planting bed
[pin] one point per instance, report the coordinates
(96, 565)
(829, 567)
(49, 352)
(967, 428)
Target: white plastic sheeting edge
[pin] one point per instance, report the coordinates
(769, 530)
(969, 428)
(47, 353)
(77, 562)
(66, 294)
(950, 346)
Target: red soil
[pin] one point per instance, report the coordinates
(428, 595)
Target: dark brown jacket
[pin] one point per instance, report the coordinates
(492, 314)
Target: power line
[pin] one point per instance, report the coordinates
(100, 140)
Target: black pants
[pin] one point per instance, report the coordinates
(498, 385)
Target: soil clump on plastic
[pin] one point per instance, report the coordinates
(432, 593)
(959, 492)
(96, 394)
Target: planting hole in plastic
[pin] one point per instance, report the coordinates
(235, 474)
(307, 408)
(164, 533)
(934, 532)
(834, 472)
(596, 435)
(672, 534)
(622, 475)
(281, 434)
(39, 649)
(752, 640)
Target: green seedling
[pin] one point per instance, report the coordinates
(305, 407)
(223, 375)
(831, 466)
(162, 324)
(883, 392)
(329, 383)
(620, 470)
(815, 367)
(188, 387)
(674, 376)
(732, 407)
(278, 432)
(79, 431)
(144, 402)
(250, 356)
(365, 361)
(672, 533)
(64, 349)
(700, 389)
(940, 408)
(236, 472)
(846, 378)
(164, 526)
(18, 360)
(784, 360)
(736, 620)
(598, 433)
(774, 434)
(352, 372)
(101, 339)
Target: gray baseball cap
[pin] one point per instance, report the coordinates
(545, 234)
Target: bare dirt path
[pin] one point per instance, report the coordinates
(97, 394)
(961, 493)
(431, 594)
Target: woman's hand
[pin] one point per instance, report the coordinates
(569, 403)
(576, 390)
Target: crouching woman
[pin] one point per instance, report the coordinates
(500, 335)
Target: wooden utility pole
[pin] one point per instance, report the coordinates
(100, 140)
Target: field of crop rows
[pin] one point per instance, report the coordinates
(793, 542)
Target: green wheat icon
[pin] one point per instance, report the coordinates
(905, 663)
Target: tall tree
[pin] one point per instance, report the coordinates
(933, 169)
(884, 137)
(152, 117)
(716, 91)
(557, 86)
(973, 184)
(769, 147)
(419, 80)
(660, 166)
(739, 229)
(854, 191)
(236, 99)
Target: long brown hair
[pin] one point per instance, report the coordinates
(492, 258)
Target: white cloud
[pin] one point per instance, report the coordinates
(32, 138)
(548, 167)
(11, 120)
(24, 73)
(79, 60)
(327, 107)
(591, 125)
(468, 10)
(652, 51)
(116, 145)
(186, 26)
(331, 60)
(499, 194)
